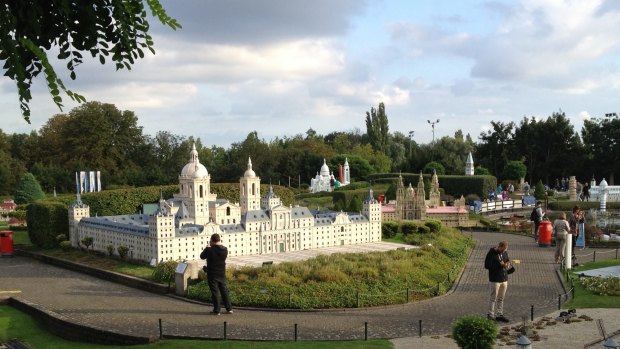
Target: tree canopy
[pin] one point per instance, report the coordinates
(28, 190)
(105, 29)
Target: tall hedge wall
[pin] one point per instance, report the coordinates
(48, 218)
(45, 221)
(452, 185)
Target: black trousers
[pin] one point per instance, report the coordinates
(218, 284)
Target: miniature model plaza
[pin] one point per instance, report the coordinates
(182, 226)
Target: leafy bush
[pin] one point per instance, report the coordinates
(408, 228)
(164, 272)
(470, 198)
(389, 229)
(65, 245)
(474, 332)
(60, 238)
(45, 221)
(433, 225)
(87, 242)
(539, 191)
(110, 249)
(122, 251)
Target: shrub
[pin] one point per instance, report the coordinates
(45, 221)
(408, 228)
(474, 332)
(87, 241)
(65, 245)
(539, 191)
(110, 249)
(60, 238)
(424, 230)
(433, 225)
(164, 272)
(470, 198)
(389, 229)
(122, 251)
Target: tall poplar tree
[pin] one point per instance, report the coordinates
(377, 128)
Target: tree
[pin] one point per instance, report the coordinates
(480, 171)
(495, 146)
(87, 242)
(115, 29)
(28, 190)
(434, 166)
(122, 251)
(377, 128)
(601, 138)
(514, 170)
(355, 205)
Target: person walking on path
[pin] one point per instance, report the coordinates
(216, 255)
(586, 192)
(498, 263)
(576, 221)
(536, 216)
(561, 228)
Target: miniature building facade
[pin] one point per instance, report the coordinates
(182, 226)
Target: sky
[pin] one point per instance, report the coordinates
(281, 67)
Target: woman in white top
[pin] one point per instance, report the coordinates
(561, 229)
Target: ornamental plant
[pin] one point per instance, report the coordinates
(474, 332)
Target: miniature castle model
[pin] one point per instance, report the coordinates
(469, 165)
(182, 226)
(325, 181)
(411, 205)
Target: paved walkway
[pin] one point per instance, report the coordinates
(102, 304)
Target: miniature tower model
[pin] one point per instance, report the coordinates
(434, 195)
(572, 188)
(270, 200)
(249, 190)
(195, 184)
(77, 211)
(469, 165)
(420, 205)
(400, 198)
(372, 210)
(347, 172)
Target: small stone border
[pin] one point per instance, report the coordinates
(119, 278)
(63, 327)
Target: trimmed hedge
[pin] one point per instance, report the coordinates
(45, 221)
(48, 218)
(584, 205)
(453, 185)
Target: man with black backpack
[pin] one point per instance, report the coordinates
(536, 216)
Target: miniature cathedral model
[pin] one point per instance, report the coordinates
(181, 226)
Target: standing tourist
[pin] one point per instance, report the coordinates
(561, 228)
(497, 263)
(216, 254)
(586, 191)
(536, 216)
(576, 221)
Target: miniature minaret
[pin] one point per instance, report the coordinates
(469, 165)
(347, 172)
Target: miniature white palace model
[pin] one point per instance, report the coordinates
(182, 226)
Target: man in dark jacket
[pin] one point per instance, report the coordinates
(216, 254)
(497, 262)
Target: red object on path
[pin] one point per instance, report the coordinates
(6, 243)
(544, 234)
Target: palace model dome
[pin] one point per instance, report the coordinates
(194, 169)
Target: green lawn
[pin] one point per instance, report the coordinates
(586, 299)
(21, 238)
(98, 261)
(17, 325)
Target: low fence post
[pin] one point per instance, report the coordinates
(594, 256)
(407, 294)
(225, 325)
(357, 299)
(161, 332)
(559, 301)
(366, 330)
(420, 329)
(532, 313)
(295, 332)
